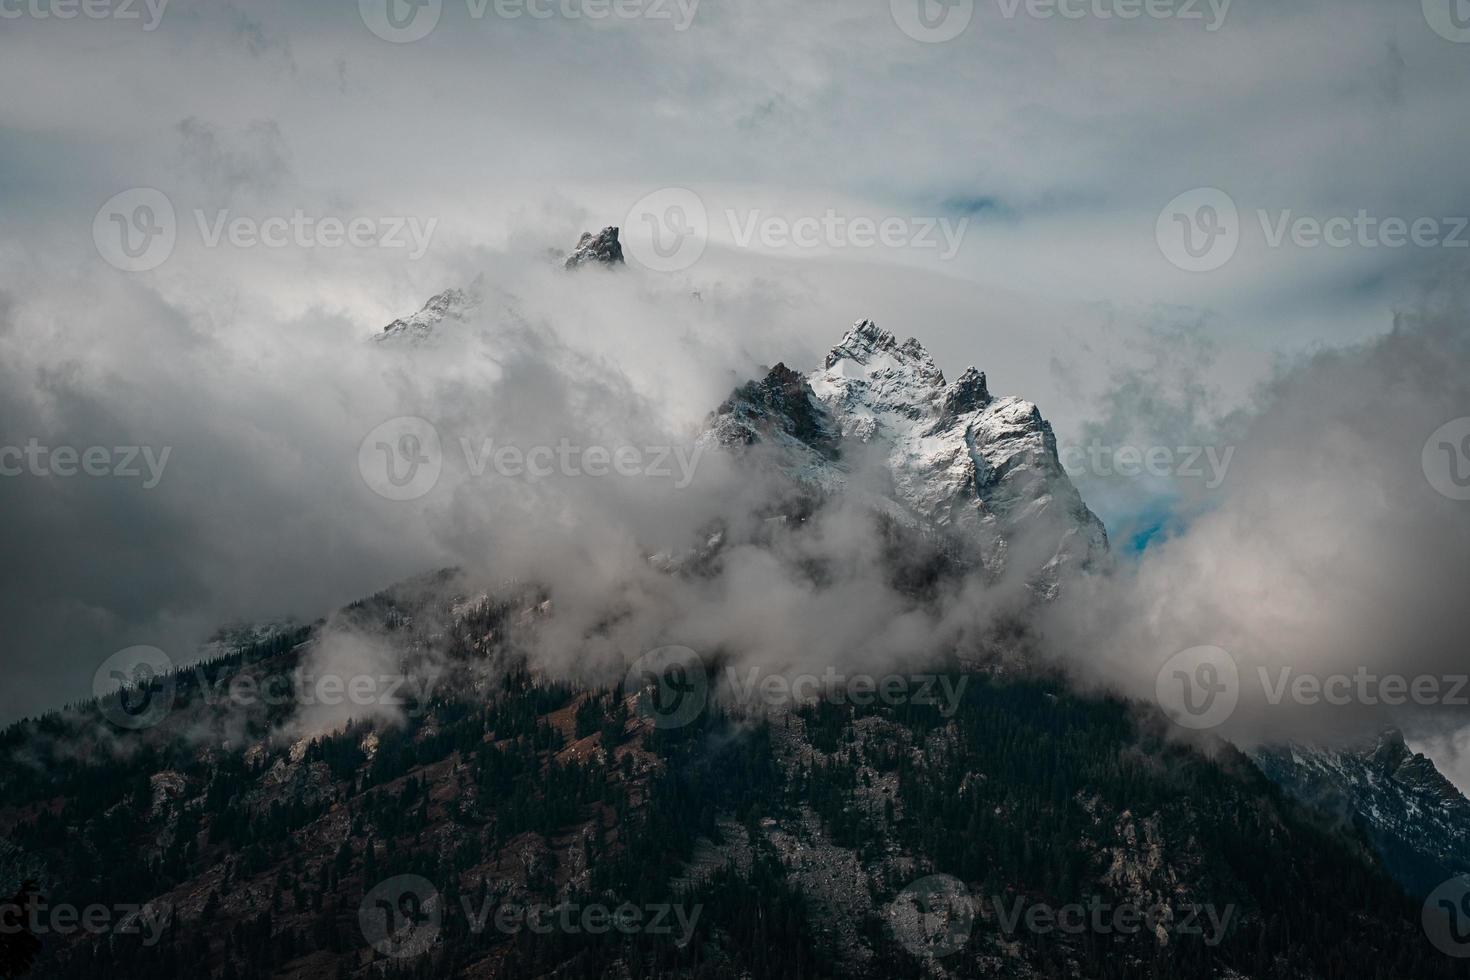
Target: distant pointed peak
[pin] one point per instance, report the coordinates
(865, 339)
(966, 394)
(451, 304)
(602, 248)
(1391, 750)
(913, 348)
(869, 330)
(449, 300)
(1391, 736)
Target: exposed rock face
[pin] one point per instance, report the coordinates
(953, 457)
(602, 248)
(778, 408)
(455, 305)
(1417, 819)
(458, 305)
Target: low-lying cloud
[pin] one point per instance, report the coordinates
(1331, 550)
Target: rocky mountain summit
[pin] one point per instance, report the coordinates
(452, 305)
(455, 305)
(879, 422)
(485, 814)
(602, 248)
(466, 837)
(1416, 818)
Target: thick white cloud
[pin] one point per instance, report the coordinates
(1059, 139)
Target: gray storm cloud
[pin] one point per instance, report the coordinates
(1328, 550)
(1322, 545)
(262, 510)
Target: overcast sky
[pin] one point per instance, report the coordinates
(1037, 168)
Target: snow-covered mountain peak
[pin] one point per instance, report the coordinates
(1415, 817)
(602, 248)
(954, 458)
(459, 305)
(452, 304)
(868, 350)
(967, 393)
(870, 375)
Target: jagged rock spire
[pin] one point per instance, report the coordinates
(603, 248)
(966, 394)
